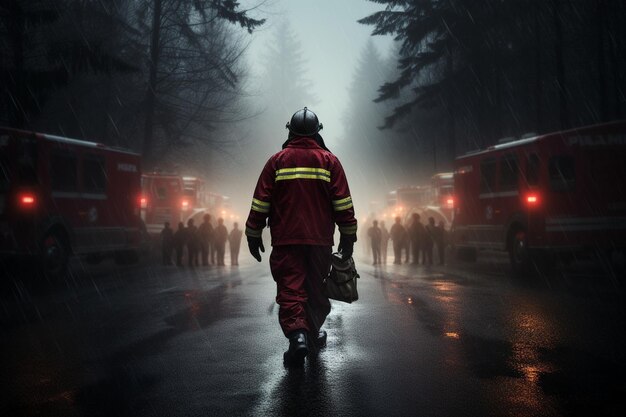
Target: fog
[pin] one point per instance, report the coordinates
(205, 88)
(330, 43)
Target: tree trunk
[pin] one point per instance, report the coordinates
(152, 80)
(615, 44)
(451, 128)
(601, 63)
(17, 91)
(538, 81)
(560, 65)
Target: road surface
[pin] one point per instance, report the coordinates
(150, 340)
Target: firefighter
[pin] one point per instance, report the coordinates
(234, 238)
(180, 238)
(428, 241)
(398, 236)
(219, 240)
(376, 237)
(303, 191)
(205, 232)
(417, 236)
(167, 243)
(193, 243)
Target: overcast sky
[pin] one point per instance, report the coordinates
(331, 39)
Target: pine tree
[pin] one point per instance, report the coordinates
(283, 88)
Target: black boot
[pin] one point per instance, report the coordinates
(298, 349)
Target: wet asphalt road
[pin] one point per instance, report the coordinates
(443, 341)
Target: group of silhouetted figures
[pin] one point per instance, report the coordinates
(417, 239)
(203, 244)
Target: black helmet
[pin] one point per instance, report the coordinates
(304, 123)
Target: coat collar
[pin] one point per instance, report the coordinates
(303, 142)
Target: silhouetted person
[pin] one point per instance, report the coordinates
(180, 239)
(375, 236)
(167, 243)
(384, 242)
(220, 238)
(440, 241)
(416, 235)
(234, 238)
(205, 233)
(398, 237)
(428, 241)
(193, 243)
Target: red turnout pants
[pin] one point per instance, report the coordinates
(299, 272)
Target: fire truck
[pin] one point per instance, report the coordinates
(547, 195)
(170, 197)
(162, 200)
(441, 203)
(404, 201)
(62, 197)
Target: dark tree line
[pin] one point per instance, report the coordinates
(149, 74)
(472, 72)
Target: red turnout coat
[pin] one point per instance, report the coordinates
(304, 192)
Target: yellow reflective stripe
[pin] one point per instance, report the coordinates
(343, 204)
(344, 207)
(348, 230)
(260, 203)
(342, 201)
(253, 233)
(302, 169)
(260, 206)
(303, 176)
(304, 173)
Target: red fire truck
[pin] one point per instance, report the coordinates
(170, 197)
(442, 198)
(406, 200)
(558, 193)
(62, 197)
(162, 200)
(442, 185)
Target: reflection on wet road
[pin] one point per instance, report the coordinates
(450, 341)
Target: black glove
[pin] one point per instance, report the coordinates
(346, 247)
(254, 244)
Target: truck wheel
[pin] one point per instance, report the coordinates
(519, 253)
(55, 254)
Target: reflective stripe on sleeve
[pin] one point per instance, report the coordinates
(260, 206)
(253, 233)
(303, 173)
(343, 204)
(348, 230)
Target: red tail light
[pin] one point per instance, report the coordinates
(532, 199)
(143, 202)
(27, 200)
(185, 204)
(450, 202)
